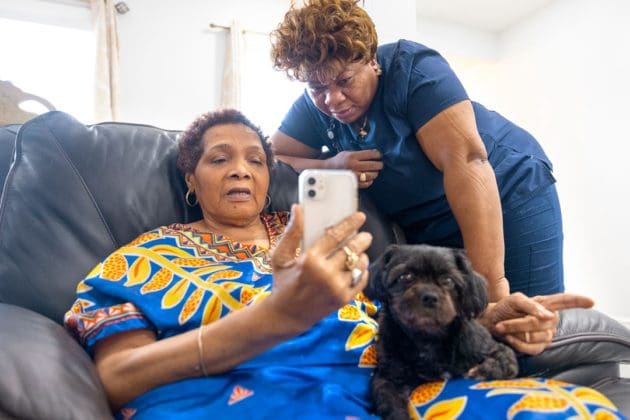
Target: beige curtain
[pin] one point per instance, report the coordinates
(106, 80)
(234, 59)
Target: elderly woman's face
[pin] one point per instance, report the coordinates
(347, 96)
(231, 178)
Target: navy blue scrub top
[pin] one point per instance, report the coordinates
(417, 83)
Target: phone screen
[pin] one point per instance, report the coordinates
(327, 196)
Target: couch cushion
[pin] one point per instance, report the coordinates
(618, 391)
(45, 373)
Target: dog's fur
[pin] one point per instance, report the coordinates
(431, 298)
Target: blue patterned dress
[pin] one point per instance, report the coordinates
(174, 278)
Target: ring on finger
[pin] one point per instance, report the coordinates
(351, 258)
(363, 177)
(527, 337)
(356, 275)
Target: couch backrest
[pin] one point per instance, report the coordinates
(75, 193)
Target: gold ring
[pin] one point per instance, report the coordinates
(527, 336)
(363, 177)
(356, 275)
(351, 258)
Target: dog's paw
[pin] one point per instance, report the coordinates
(475, 373)
(491, 368)
(483, 372)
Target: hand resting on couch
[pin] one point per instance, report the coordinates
(529, 324)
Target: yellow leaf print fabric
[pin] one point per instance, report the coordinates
(526, 398)
(171, 279)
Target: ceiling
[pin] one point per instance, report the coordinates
(487, 15)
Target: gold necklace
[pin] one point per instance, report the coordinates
(362, 130)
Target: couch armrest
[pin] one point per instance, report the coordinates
(45, 373)
(584, 337)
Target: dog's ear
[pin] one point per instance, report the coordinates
(474, 295)
(375, 288)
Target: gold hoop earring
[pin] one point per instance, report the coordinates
(187, 199)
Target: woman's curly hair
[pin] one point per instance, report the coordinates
(311, 40)
(191, 144)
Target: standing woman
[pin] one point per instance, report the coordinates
(449, 171)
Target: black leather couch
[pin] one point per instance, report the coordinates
(74, 193)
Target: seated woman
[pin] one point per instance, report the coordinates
(188, 320)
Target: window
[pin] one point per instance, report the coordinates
(51, 61)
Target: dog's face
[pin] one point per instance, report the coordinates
(427, 287)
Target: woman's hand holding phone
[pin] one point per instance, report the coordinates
(331, 267)
(326, 196)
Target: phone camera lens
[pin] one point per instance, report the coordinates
(312, 193)
(311, 181)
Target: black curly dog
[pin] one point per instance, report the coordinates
(428, 330)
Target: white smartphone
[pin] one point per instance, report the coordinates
(327, 196)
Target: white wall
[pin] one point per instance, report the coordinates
(455, 40)
(563, 74)
(171, 62)
(472, 53)
(393, 19)
(567, 73)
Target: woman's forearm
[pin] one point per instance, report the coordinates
(300, 163)
(295, 153)
(453, 144)
(130, 366)
(473, 196)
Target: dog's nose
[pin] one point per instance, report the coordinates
(429, 299)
